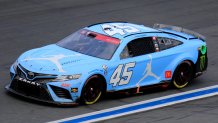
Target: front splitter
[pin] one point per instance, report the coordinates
(7, 87)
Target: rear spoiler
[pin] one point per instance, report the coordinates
(179, 29)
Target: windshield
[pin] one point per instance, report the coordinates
(91, 43)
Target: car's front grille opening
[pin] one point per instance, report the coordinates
(60, 92)
(30, 90)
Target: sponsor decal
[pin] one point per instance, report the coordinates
(53, 59)
(147, 72)
(29, 82)
(65, 85)
(155, 44)
(157, 49)
(74, 90)
(168, 74)
(203, 49)
(105, 69)
(70, 62)
(202, 62)
(154, 38)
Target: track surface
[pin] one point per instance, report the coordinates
(26, 24)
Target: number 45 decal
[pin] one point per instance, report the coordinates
(112, 29)
(117, 79)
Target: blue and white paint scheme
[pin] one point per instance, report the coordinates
(64, 68)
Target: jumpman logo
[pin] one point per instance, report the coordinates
(147, 72)
(54, 59)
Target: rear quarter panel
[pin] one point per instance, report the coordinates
(187, 51)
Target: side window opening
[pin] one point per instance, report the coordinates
(125, 53)
(166, 43)
(137, 47)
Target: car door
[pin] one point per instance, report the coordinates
(135, 65)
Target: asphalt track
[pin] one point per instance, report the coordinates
(26, 24)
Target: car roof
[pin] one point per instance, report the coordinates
(100, 29)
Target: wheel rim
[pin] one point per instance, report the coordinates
(183, 76)
(92, 92)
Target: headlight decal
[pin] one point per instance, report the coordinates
(67, 77)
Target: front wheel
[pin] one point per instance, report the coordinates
(92, 91)
(183, 75)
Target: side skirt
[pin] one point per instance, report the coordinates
(162, 84)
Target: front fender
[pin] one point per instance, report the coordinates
(88, 75)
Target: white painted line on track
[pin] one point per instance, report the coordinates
(142, 106)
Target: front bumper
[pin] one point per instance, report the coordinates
(41, 89)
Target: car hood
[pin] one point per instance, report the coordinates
(53, 59)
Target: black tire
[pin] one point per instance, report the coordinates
(183, 75)
(92, 90)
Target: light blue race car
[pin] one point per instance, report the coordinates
(109, 57)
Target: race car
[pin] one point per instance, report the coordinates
(109, 57)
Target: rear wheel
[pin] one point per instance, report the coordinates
(92, 91)
(183, 75)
